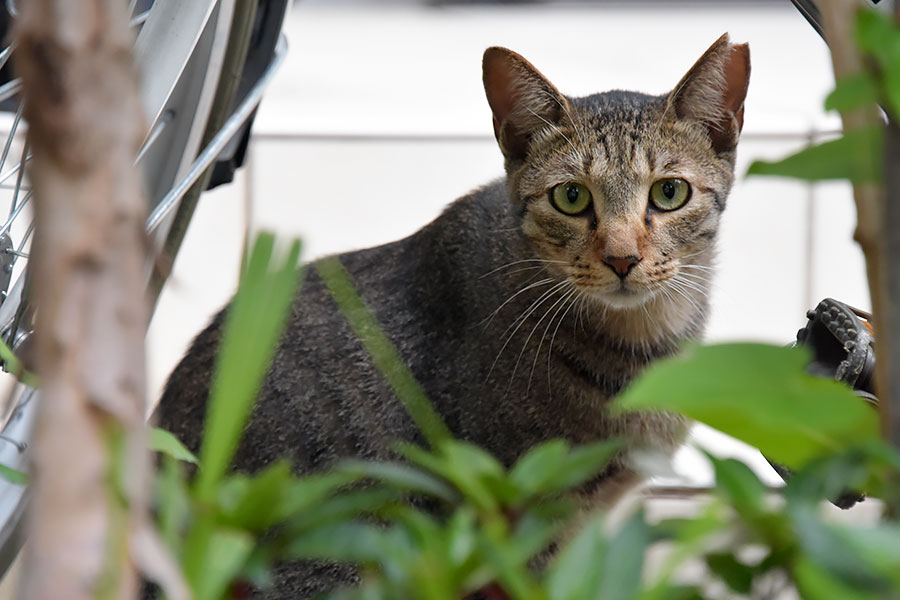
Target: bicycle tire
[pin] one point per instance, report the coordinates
(181, 96)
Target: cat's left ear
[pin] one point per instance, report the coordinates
(713, 92)
(523, 101)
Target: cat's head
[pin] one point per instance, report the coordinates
(624, 189)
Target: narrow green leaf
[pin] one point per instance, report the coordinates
(576, 572)
(741, 487)
(469, 484)
(224, 558)
(165, 442)
(854, 91)
(252, 328)
(341, 507)
(879, 37)
(14, 366)
(384, 354)
(257, 506)
(399, 476)
(825, 545)
(816, 583)
(538, 466)
(355, 542)
(510, 566)
(856, 156)
(461, 538)
(761, 395)
(471, 467)
(582, 464)
(735, 574)
(172, 503)
(13, 475)
(623, 565)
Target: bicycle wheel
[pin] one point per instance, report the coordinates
(188, 55)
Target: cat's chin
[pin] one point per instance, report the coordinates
(624, 299)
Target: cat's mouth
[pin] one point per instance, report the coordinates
(622, 296)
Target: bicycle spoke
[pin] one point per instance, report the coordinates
(10, 89)
(5, 54)
(19, 179)
(164, 120)
(6, 226)
(139, 19)
(12, 134)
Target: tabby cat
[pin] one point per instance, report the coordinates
(527, 304)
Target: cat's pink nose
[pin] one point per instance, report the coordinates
(621, 265)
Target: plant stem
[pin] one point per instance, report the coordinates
(878, 225)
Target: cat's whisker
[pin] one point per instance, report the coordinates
(490, 317)
(517, 322)
(698, 287)
(696, 266)
(521, 321)
(684, 293)
(696, 275)
(575, 296)
(528, 339)
(705, 283)
(562, 304)
(543, 261)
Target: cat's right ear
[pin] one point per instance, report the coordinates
(522, 100)
(713, 92)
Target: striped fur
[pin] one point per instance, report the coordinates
(503, 307)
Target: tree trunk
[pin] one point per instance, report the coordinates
(89, 459)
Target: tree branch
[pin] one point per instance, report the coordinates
(90, 459)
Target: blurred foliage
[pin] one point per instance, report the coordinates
(451, 523)
(858, 155)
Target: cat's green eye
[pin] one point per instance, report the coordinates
(670, 193)
(570, 198)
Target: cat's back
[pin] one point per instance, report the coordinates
(323, 398)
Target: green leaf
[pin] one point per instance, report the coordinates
(761, 395)
(14, 365)
(623, 565)
(582, 464)
(162, 441)
(461, 537)
(828, 478)
(857, 156)
(355, 542)
(223, 559)
(854, 91)
(832, 549)
(384, 354)
(538, 466)
(740, 485)
(470, 483)
(172, 503)
(575, 574)
(341, 507)
(13, 475)
(252, 328)
(816, 583)
(401, 477)
(258, 501)
(509, 564)
(737, 575)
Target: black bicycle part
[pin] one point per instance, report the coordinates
(266, 29)
(843, 348)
